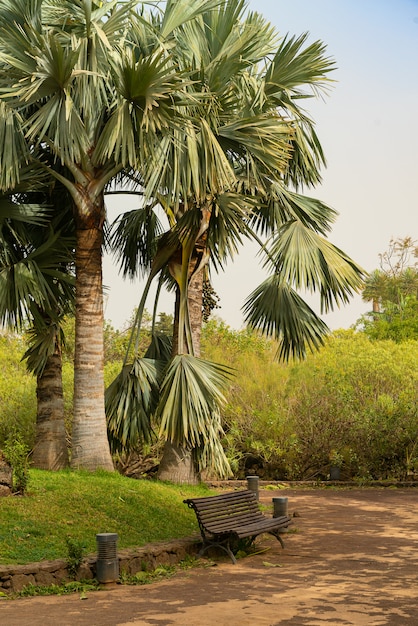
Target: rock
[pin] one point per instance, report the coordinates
(6, 477)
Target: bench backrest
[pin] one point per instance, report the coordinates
(216, 513)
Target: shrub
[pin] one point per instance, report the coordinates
(17, 392)
(16, 454)
(355, 398)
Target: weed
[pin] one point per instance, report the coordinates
(145, 577)
(75, 555)
(58, 590)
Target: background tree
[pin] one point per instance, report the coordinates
(36, 292)
(393, 289)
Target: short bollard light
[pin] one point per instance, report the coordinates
(279, 507)
(252, 484)
(107, 566)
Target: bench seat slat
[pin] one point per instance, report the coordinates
(227, 513)
(239, 527)
(225, 519)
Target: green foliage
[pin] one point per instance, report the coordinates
(17, 392)
(253, 419)
(130, 400)
(355, 400)
(59, 590)
(398, 322)
(145, 577)
(393, 289)
(75, 555)
(16, 454)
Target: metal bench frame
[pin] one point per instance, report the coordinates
(233, 515)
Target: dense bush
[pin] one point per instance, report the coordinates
(255, 420)
(356, 400)
(353, 403)
(17, 391)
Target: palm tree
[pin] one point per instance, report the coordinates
(92, 81)
(36, 288)
(397, 278)
(375, 289)
(232, 172)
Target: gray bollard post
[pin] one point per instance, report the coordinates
(252, 484)
(279, 507)
(107, 565)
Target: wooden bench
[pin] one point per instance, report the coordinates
(231, 516)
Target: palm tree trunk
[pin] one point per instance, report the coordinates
(50, 451)
(177, 464)
(195, 303)
(90, 446)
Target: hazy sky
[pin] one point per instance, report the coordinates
(368, 127)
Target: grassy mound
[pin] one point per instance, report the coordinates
(78, 505)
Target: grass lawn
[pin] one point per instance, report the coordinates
(78, 505)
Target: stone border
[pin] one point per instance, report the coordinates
(14, 578)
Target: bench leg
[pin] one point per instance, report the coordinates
(279, 539)
(226, 549)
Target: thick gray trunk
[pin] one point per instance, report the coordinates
(177, 465)
(90, 446)
(50, 450)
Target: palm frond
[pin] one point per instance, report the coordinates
(134, 239)
(278, 311)
(210, 456)
(44, 335)
(307, 157)
(190, 400)
(281, 205)
(160, 348)
(230, 215)
(29, 214)
(265, 137)
(177, 12)
(131, 400)
(306, 260)
(35, 270)
(295, 67)
(12, 147)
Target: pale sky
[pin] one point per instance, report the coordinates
(368, 127)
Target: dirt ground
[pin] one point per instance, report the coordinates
(351, 559)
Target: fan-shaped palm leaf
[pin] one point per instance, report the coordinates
(134, 237)
(160, 348)
(296, 67)
(191, 396)
(177, 12)
(308, 261)
(228, 225)
(279, 312)
(211, 455)
(130, 402)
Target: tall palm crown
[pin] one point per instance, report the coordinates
(65, 84)
(231, 172)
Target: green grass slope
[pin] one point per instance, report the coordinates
(78, 505)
